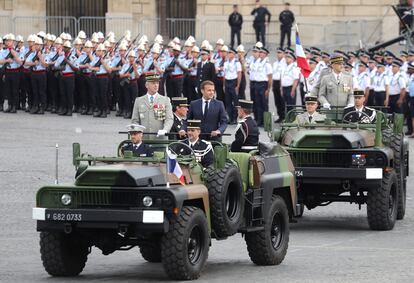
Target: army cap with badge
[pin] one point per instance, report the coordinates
(179, 102)
(152, 77)
(193, 124)
(310, 98)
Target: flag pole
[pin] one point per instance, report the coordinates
(304, 79)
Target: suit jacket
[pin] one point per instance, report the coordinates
(303, 119)
(355, 117)
(178, 126)
(152, 119)
(207, 73)
(336, 94)
(142, 150)
(216, 118)
(247, 134)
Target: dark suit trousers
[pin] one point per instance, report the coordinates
(279, 101)
(285, 32)
(235, 31)
(67, 87)
(231, 99)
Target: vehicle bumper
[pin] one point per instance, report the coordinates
(59, 218)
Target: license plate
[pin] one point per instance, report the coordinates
(63, 216)
(153, 216)
(374, 173)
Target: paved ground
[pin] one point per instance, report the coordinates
(328, 244)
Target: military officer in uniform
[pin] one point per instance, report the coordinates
(247, 132)
(179, 126)
(138, 148)
(153, 110)
(203, 150)
(354, 114)
(310, 116)
(336, 87)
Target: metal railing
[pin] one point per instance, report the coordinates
(338, 34)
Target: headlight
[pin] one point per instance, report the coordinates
(147, 201)
(66, 199)
(380, 161)
(358, 160)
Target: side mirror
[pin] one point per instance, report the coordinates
(76, 152)
(268, 121)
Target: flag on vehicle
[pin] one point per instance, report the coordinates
(301, 57)
(173, 167)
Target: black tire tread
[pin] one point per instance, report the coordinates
(60, 259)
(151, 252)
(396, 145)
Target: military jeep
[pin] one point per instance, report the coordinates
(338, 161)
(117, 203)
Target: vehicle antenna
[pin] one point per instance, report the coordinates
(57, 165)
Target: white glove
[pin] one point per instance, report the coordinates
(327, 106)
(161, 133)
(349, 105)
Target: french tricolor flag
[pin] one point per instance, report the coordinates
(173, 167)
(301, 58)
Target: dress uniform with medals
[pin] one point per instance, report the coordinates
(308, 117)
(336, 88)
(203, 150)
(180, 124)
(247, 132)
(153, 111)
(138, 149)
(356, 116)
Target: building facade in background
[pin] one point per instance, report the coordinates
(328, 23)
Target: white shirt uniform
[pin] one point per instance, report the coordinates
(371, 74)
(362, 81)
(253, 68)
(231, 69)
(263, 70)
(290, 74)
(380, 82)
(278, 67)
(397, 83)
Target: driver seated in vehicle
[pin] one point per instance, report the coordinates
(203, 150)
(138, 148)
(311, 116)
(359, 113)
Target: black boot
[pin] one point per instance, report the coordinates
(41, 111)
(34, 110)
(13, 109)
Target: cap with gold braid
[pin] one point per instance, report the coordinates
(152, 76)
(193, 124)
(179, 101)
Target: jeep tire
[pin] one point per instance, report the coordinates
(225, 189)
(184, 249)
(63, 254)
(269, 246)
(151, 251)
(397, 145)
(382, 203)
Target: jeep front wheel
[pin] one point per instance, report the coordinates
(184, 249)
(269, 246)
(63, 254)
(382, 204)
(151, 250)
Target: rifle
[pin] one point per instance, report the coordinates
(34, 59)
(5, 65)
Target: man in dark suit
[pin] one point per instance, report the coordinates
(210, 111)
(180, 108)
(206, 71)
(138, 148)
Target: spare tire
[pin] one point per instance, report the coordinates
(397, 145)
(226, 199)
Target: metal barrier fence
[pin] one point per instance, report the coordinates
(338, 34)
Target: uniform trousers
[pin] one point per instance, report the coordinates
(371, 99)
(176, 87)
(379, 98)
(289, 100)
(142, 90)
(231, 99)
(87, 93)
(52, 90)
(129, 91)
(101, 91)
(39, 81)
(392, 104)
(285, 32)
(261, 102)
(279, 101)
(67, 88)
(242, 87)
(191, 88)
(11, 83)
(219, 88)
(260, 30)
(117, 92)
(77, 101)
(27, 87)
(253, 94)
(1, 90)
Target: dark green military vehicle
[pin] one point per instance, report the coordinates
(338, 161)
(117, 203)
